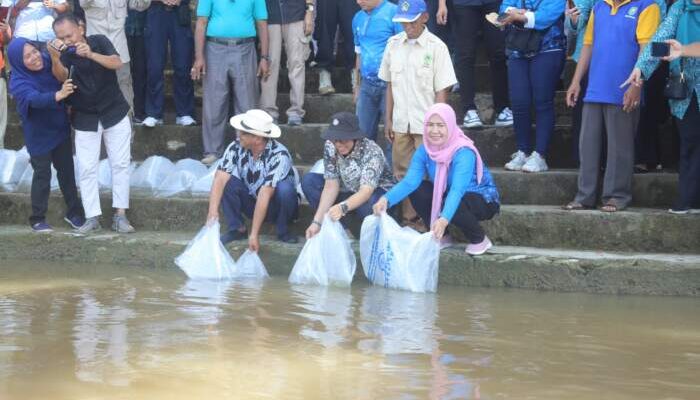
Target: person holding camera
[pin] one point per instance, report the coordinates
(680, 28)
(99, 110)
(40, 105)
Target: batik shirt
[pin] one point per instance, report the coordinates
(364, 166)
(273, 166)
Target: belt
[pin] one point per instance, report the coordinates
(230, 41)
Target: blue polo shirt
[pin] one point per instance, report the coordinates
(371, 33)
(616, 34)
(232, 19)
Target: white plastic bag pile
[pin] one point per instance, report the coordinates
(25, 182)
(326, 258)
(181, 179)
(399, 258)
(203, 185)
(104, 173)
(151, 173)
(206, 258)
(12, 166)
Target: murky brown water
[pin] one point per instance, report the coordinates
(106, 332)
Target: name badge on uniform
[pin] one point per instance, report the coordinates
(632, 13)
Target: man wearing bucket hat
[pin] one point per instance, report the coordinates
(255, 177)
(419, 72)
(356, 173)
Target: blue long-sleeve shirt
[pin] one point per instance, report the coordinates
(461, 179)
(46, 125)
(691, 65)
(548, 16)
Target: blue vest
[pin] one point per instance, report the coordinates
(615, 50)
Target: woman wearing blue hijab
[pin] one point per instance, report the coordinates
(39, 97)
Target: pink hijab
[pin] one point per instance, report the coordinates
(442, 155)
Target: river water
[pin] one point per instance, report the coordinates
(108, 332)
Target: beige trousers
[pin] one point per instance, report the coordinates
(296, 47)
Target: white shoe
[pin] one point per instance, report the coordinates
(185, 121)
(209, 159)
(517, 160)
(472, 120)
(151, 122)
(505, 118)
(325, 86)
(535, 163)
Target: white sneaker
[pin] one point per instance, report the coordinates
(505, 118)
(185, 121)
(517, 160)
(209, 159)
(325, 86)
(535, 163)
(472, 120)
(151, 122)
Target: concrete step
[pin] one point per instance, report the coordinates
(341, 79)
(642, 230)
(504, 266)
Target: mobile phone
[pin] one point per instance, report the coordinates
(502, 16)
(660, 49)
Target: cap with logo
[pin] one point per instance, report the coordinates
(409, 10)
(344, 126)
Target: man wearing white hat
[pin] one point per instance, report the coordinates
(255, 177)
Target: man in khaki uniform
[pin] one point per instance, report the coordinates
(419, 73)
(108, 18)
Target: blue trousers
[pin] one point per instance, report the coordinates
(534, 81)
(162, 26)
(370, 106)
(312, 185)
(283, 207)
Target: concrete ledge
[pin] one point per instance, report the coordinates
(637, 230)
(539, 269)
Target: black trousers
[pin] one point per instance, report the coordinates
(137, 50)
(62, 159)
(689, 165)
(469, 20)
(329, 15)
(654, 112)
(472, 209)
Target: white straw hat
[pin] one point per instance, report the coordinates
(256, 122)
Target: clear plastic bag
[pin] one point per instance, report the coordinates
(202, 186)
(181, 179)
(205, 257)
(398, 258)
(250, 266)
(151, 173)
(104, 173)
(326, 258)
(25, 182)
(12, 166)
(318, 168)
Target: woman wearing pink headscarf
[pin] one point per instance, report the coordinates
(460, 191)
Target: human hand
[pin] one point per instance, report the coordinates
(514, 15)
(4, 27)
(48, 3)
(389, 131)
(635, 79)
(574, 15)
(439, 227)
(441, 15)
(66, 90)
(573, 93)
(83, 50)
(198, 69)
(312, 230)
(676, 50)
(264, 69)
(253, 243)
(308, 24)
(630, 101)
(335, 212)
(380, 206)
(212, 217)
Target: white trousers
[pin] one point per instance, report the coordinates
(3, 111)
(87, 149)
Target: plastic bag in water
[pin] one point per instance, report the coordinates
(326, 258)
(151, 173)
(205, 257)
(25, 182)
(396, 257)
(181, 179)
(12, 166)
(250, 266)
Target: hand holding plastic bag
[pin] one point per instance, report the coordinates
(250, 266)
(205, 257)
(399, 258)
(326, 258)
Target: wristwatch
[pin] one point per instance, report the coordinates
(316, 222)
(310, 7)
(344, 208)
(265, 57)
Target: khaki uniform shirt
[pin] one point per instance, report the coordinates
(107, 17)
(416, 72)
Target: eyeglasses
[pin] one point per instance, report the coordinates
(430, 125)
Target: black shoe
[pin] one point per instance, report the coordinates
(233, 236)
(288, 238)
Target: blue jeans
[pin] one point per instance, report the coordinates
(162, 26)
(534, 80)
(312, 185)
(370, 106)
(283, 207)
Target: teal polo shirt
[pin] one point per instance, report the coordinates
(232, 19)
(616, 32)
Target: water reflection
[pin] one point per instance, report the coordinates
(328, 311)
